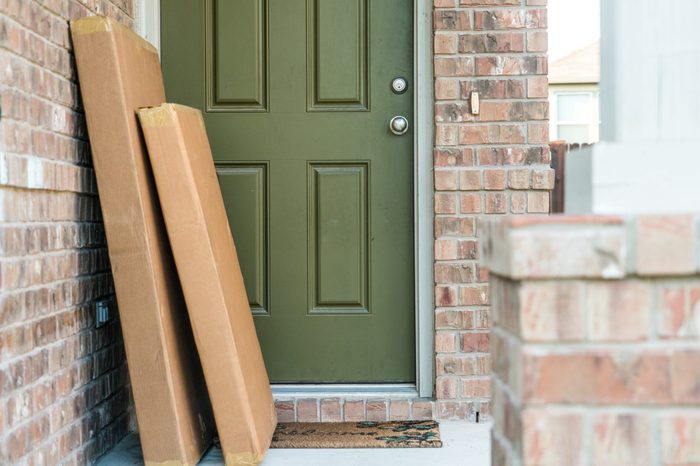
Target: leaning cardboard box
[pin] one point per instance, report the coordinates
(212, 282)
(120, 72)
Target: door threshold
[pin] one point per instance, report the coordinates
(385, 390)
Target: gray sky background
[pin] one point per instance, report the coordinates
(573, 24)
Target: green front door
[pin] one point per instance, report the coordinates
(297, 98)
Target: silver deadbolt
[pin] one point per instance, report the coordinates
(399, 85)
(398, 125)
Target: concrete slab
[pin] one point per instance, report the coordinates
(464, 444)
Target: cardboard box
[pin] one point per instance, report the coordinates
(211, 278)
(120, 72)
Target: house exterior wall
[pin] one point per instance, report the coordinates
(492, 164)
(596, 339)
(64, 392)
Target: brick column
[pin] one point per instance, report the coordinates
(596, 340)
(488, 164)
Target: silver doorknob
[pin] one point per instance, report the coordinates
(398, 125)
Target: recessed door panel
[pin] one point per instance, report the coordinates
(244, 189)
(237, 55)
(337, 54)
(338, 245)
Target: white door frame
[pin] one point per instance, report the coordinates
(424, 195)
(148, 26)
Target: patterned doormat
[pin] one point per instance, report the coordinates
(395, 434)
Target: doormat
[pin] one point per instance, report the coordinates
(395, 434)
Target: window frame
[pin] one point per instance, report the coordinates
(592, 122)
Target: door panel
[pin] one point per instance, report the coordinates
(338, 243)
(237, 58)
(319, 193)
(244, 189)
(337, 51)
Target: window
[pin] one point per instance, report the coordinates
(575, 116)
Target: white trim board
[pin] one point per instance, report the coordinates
(148, 26)
(377, 391)
(423, 196)
(148, 21)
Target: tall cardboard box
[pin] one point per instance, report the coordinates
(120, 72)
(211, 278)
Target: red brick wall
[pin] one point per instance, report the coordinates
(494, 163)
(64, 392)
(596, 340)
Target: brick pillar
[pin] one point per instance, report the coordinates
(596, 340)
(489, 164)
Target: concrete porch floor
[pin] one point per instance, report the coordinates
(464, 444)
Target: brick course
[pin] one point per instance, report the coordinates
(64, 391)
(352, 408)
(596, 354)
(494, 163)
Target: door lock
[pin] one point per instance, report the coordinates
(398, 125)
(399, 85)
